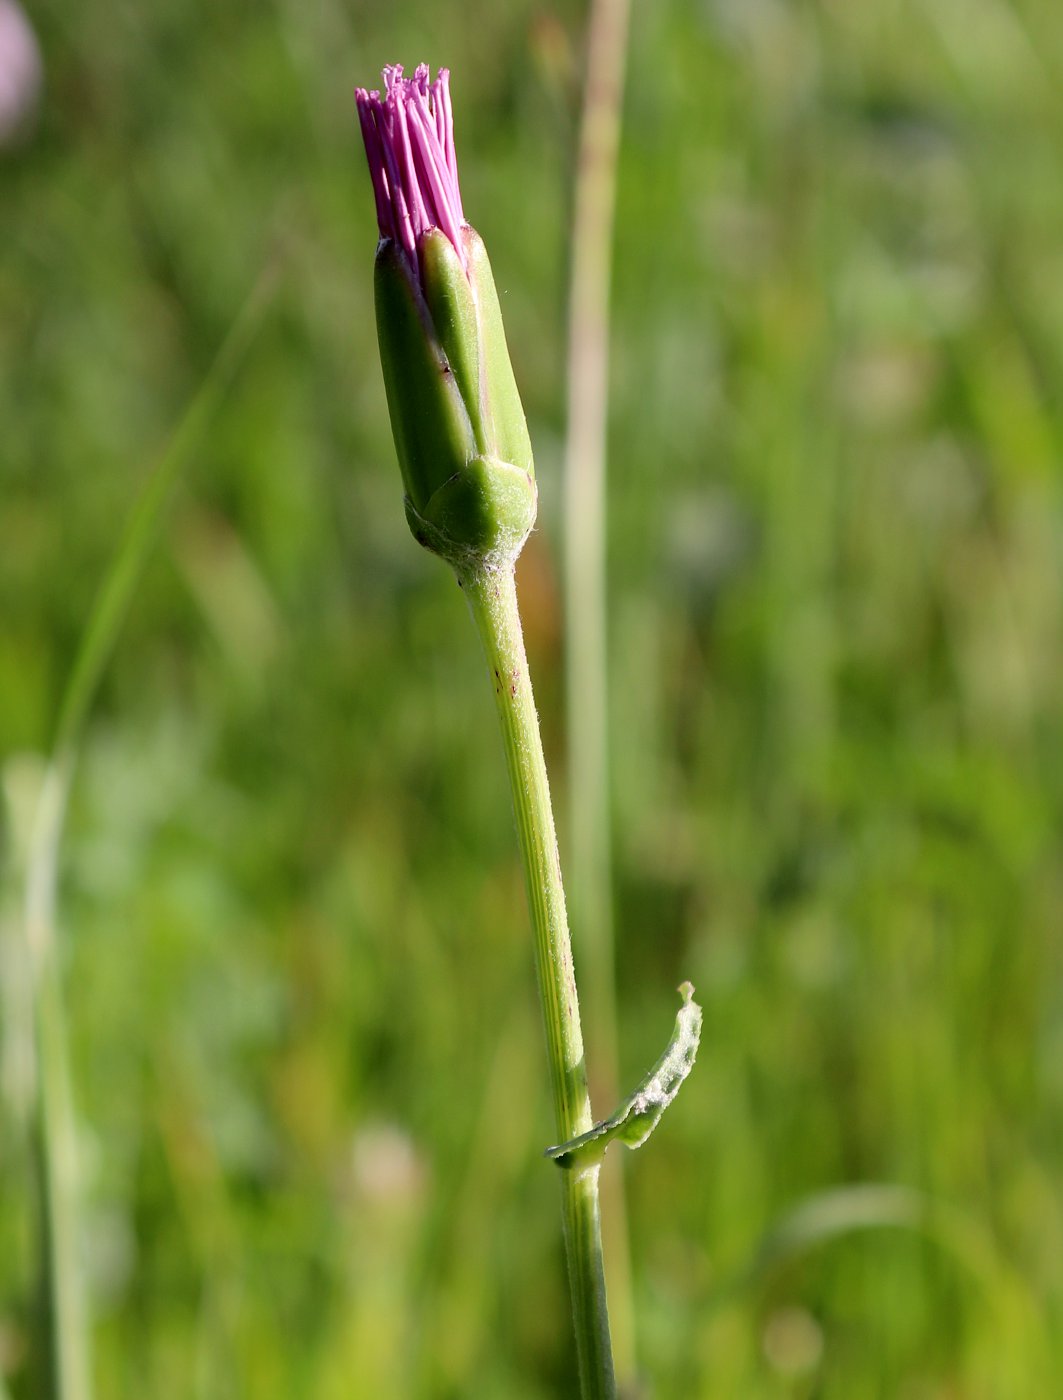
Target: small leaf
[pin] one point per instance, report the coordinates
(639, 1114)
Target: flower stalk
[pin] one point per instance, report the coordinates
(492, 597)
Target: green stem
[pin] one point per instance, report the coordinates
(492, 596)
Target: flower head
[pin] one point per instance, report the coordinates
(409, 143)
(456, 415)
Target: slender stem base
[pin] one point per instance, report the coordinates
(492, 598)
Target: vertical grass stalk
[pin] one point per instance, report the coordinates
(586, 708)
(56, 1137)
(69, 1360)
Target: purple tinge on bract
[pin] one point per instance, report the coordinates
(409, 142)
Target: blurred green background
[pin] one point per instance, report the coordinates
(304, 1027)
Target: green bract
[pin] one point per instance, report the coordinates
(459, 427)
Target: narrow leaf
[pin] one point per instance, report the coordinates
(639, 1114)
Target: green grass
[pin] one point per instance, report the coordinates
(835, 521)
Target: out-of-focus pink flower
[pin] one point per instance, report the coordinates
(20, 69)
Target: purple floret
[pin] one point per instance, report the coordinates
(409, 143)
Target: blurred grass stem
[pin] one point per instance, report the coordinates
(492, 597)
(587, 390)
(56, 1140)
(68, 1327)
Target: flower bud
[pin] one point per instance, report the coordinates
(456, 416)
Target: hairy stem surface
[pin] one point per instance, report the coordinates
(492, 597)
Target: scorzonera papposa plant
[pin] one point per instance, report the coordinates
(470, 496)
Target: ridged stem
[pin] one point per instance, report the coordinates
(492, 596)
